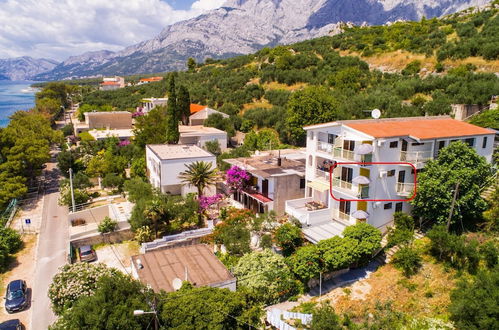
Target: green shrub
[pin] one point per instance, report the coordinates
(144, 234)
(490, 253)
(408, 260)
(369, 239)
(11, 238)
(266, 241)
(107, 225)
(288, 237)
(306, 262)
(337, 252)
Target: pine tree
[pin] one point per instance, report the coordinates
(184, 104)
(172, 113)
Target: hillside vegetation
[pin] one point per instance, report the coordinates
(287, 87)
(470, 36)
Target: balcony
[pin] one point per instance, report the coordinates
(404, 189)
(344, 218)
(416, 157)
(324, 147)
(308, 211)
(339, 152)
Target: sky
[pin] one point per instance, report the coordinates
(57, 29)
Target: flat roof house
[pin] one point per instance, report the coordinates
(200, 116)
(413, 141)
(166, 161)
(109, 120)
(274, 180)
(194, 263)
(199, 135)
(151, 103)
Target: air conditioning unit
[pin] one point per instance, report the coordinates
(381, 142)
(383, 173)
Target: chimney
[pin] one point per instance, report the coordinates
(279, 160)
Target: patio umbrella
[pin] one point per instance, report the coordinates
(361, 180)
(359, 214)
(364, 149)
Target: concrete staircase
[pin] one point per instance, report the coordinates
(489, 189)
(387, 256)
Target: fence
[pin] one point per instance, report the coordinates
(276, 318)
(9, 212)
(174, 239)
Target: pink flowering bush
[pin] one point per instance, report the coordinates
(236, 178)
(137, 114)
(124, 143)
(76, 280)
(205, 202)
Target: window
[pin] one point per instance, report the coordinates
(398, 207)
(417, 143)
(391, 173)
(330, 138)
(441, 145)
(484, 142)
(394, 144)
(311, 135)
(470, 142)
(302, 183)
(387, 206)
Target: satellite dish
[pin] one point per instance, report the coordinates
(176, 283)
(376, 113)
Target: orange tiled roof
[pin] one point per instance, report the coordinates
(196, 107)
(418, 128)
(109, 83)
(152, 79)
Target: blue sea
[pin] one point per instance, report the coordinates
(15, 95)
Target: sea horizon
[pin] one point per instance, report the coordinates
(14, 96)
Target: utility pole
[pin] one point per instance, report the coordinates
(456, 189)
(72, 192)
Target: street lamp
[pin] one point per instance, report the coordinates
(141, 312)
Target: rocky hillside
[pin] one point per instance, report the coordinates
(24, 68)
(243, 27)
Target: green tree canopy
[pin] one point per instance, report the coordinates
(455, 164)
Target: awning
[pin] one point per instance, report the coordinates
(319, 186)
(259, 197)
(364, 149)
(361, 180)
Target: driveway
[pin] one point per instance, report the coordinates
(51, 251)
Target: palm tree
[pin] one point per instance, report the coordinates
(154, 211)
(199, 174)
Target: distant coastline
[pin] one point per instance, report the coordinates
(14, 96)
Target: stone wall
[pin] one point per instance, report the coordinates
(286, 188)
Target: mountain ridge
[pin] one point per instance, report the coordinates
(24, 67)
(244, 26)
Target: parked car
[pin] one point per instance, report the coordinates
(87, 254)
(11, 325)
(16, 298)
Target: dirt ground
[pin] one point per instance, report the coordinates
(21, 267)
(426, 294)
(117, 255)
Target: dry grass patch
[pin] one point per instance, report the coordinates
(426, 294)
(276, 85)
(257, 104)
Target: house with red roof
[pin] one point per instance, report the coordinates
(349, 190)
(112, 83)
(144, 81)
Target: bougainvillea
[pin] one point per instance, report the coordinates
(206, 201)
(137, 114)
(236, 178)
(123, 143)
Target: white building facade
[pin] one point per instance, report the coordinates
(165, 162)
(371, 193)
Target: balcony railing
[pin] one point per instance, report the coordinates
(415, 156)
(405, 188)
(346, 218)
(320, 174)
(337, 182)
(299, 209)
(339, 152)
(324, 147)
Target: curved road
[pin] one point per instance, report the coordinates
(51, 249)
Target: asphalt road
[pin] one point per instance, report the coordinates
(52, 249)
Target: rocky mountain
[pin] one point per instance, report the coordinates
(24, 68)
(244, 26)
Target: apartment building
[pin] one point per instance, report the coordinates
(371, 193)
(275, 177)
(166, 161)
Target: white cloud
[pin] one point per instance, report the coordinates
(60, 28)
(207, 4)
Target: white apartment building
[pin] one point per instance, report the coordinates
(166, 161)
(151, 103)
(199, 135)
(371, 193)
